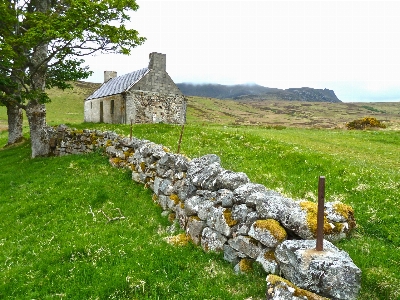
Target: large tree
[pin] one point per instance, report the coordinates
(42, 43)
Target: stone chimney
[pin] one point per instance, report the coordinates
(158, 61)
(109, 74)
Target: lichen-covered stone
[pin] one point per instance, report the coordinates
(231, 180)
(225, 197)
(231, 255)
(330, 273)
(281, 289)
(269, 232)
(194, 204)
(240, 212)
(205, 177)
(212, 240)
(267, 260)
(185, 189)
(244, 266)
(288, 212)
(220, 220)
(166, 187)
(244, 191)
(246, 245)
(194, 229)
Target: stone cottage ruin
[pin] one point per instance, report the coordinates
(148, 95)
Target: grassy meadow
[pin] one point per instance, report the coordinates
(56, 243)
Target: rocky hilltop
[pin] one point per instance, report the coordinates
(257, 92)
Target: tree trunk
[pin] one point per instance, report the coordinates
(36, 114)
(14, 114)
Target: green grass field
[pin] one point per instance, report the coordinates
(53, 247)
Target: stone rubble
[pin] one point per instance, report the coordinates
(221, 210)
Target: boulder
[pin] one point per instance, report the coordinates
(330, 272)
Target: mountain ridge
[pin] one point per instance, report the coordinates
(257, 92)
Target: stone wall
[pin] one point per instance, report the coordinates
(151, 107)
(218, 209)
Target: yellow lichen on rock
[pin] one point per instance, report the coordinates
(298, 292)
(273, 227)
(228, 218)
(343, 209)
(245, 265)
(269, 255)
(175, 198)
(311, 209)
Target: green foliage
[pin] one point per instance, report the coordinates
(365, 123)
(66, 31)
(373, 109)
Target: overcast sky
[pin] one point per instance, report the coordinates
(351, 47)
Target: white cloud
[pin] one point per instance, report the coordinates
(349, 46)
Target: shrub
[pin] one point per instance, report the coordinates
(364, 123)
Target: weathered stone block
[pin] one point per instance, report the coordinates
(244, 191)
(195, 228)
(269, 232)
(230, 180)
(212, 240)
(231, 255)
(330, 273)
(267, 260)
(220, 219)
(281, 289)
(225, 197)
(246, 245)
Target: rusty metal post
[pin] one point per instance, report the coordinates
(320, 214)
(180, 138)
(130, 135)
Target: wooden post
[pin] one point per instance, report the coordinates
(130, 135)
(320, 214)
(180, 138)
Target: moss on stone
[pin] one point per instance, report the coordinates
(311, 209)
(273, 226)
(142, 166)
(246, 265)
(175, 198)
(228, 218)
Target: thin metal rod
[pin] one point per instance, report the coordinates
(180, 138)
(320, 214)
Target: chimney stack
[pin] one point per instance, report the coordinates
(158, 61)
(108, 75)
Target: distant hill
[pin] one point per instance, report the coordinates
(257, 92)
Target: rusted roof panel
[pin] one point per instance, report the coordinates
(118, 84)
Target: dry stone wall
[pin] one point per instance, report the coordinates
(219, 210)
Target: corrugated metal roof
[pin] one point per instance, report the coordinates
(118, 84)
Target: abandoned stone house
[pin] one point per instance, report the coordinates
(148, 95)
